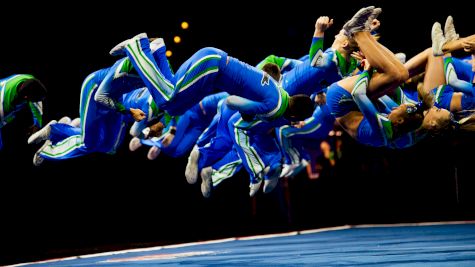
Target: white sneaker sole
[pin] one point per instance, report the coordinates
(153, 153)
(206, 181)
(119, 50)
(42, 134)
(134, 144)
(191, 171)
(254, 188)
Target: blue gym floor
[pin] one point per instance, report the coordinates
(429, 244)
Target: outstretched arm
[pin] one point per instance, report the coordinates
(244, 105)
(363, 102)
(365, 105)
(462, 43)
(117, 82)
(316, 48)
(104, 94)
(388, 103)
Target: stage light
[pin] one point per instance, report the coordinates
(184, 25)
(168, 53)
(177, 39)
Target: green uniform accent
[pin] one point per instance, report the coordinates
(315, 47)
(279, 61)
(345, 68)
(11, 104)
(283, 105)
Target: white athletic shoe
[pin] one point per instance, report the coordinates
(273, 180)
(134, 144)
(286, 168)
(359, 22)
(118, 50)
(157, 44)
(153, 152)
(401, 57)
(269, 185)
(300, 167)
(191, 172)
(65, 120)
(42, 134)
(254, 188)
(294, 169)
(76, 122)
(438, 39)
(37, 159)
(206, 181)
(449, 30)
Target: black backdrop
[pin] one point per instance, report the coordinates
(104, 202)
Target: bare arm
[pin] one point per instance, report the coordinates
(316, 48)
(457, 44)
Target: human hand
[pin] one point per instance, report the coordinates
(156, 129)
(299, 124)
(374, 25)
(323, 23)
(137, 114)
(365, 64)
(358, 55)
(469, 46)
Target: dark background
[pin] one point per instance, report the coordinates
(103, 202)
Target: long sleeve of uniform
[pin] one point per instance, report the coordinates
(453, 80)
(316, 51)
(243, 105)
(37, 112)
(137, 128)
(210, 131)
(315, 129)
(116, 83)
(10, 104)
(285, 64)
(279, 61)
(375, 119)
(387, 103)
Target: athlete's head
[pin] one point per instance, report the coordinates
(436, 120)
(406, 118)
(409, 117)
(273, 70)
(300, 108)
(32, 90)
(344, 44)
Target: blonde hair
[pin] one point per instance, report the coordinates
(352, 44)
